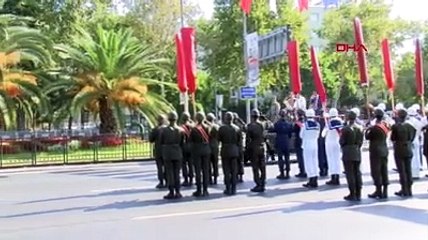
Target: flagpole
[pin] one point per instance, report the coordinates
(185, 94)
(247, 102)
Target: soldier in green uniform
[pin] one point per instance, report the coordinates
(172, 139)
(402, 136)
(256, 138)
(187, 125)
(241, 159)
(351, 140)
(214, 148)
(378, 150)
(231, 140)
(157, 150)
(200, 139)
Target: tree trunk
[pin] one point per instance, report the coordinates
(20, 119)
(107, 119)
(2, 123)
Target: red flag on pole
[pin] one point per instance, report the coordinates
(303, 5)
(246, 6)
(188, 38)
(181, 69)
(361, 55)
(387, 66)
(316, 72)
(419, 69)
(294, 66)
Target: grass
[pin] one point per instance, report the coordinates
(132, 150)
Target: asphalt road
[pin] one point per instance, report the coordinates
(118, 201)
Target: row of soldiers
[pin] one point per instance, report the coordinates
(194, 147)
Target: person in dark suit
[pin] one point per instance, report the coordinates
(231, 140)
(351, 140)
(402, 136)
(157, 150)
(200, 139)
(283, 129)
(172, 140)
(255, 148)
(188, 173)
(214, 148)
(298, 143)
(322, 153)
(241, 159)
(378, 150)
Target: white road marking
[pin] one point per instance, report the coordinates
(222, 210)
(121, 189)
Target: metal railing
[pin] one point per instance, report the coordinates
(19, 149)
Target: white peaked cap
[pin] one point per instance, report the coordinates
(333, 112)
(399, 106)
(310, 113)
(381, 106)
(412, 112)
(416, 106)
(356, 111)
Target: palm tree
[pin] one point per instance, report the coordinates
(20, 48)
(110, 70)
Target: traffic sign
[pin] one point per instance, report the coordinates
(272, 45)
(248, 93)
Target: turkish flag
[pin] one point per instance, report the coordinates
(361, 55)
(181, 68)
(189, 49)
(316, 72)
(387, 66)
(303, 5)
(294, 66)
(246, 6)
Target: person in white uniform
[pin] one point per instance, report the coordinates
(299, 102)
(309, 135)
(417, 125)
(331, 132)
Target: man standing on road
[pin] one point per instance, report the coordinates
(214, 148)
(331, 133)
(351, 140)
(241, 159)
(283, 129)
(200, 139)
(378, 150)
(297, 128)
(418, 126)
(187, 125)
(402, 136)
(231, 140)
(171, 140)
(154, 138)
(309, 135)
(255, 134)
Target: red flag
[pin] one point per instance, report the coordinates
(361, 55)
(246, 6)
(188, 38)
(387, 66)
(294, 66)
(181, 70)
(316, 72)
(419, 69)
(303, 5)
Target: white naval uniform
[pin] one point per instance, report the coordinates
(300, 103)
(309, 134)
(417, 144)
(331, 133)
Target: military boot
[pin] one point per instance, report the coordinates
(205, 193)
(177, 194)
(351, 196)
(287, 175)
(334, 180)
(312, 183)
(170, 195)
(233, 190)
(215, 181)
(227, 191)
(258, 189)
(358, 194)
(384, 192)
(377, 193)
(198, 192)
(281, 175)
(186, 182)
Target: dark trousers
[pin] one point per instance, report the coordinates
(214, 163)
(202, 171)
(258, 164)
(187, 166)
(300, 162)
(404, 166)
(284, 160)
(230, 170)
(172, 168)
(160, 169)
(322, 155)
(241, 160)
(379, 170)
(353, 175)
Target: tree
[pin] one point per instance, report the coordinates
(338, 28)
(110, 70)
(20, 47)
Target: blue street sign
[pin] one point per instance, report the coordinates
(248, 93)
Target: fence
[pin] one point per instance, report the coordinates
(18, 149)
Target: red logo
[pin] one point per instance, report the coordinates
(344, 47)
